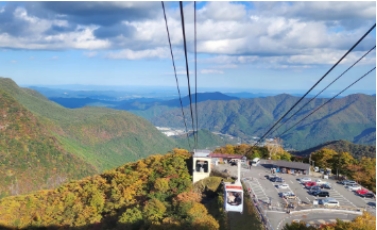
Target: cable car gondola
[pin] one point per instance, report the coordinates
(233, 194)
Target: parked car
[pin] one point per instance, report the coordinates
(277, 179)
(305, 179)
(283, 186)
(319, 182)
(270, 176)
(362, 191)
(321, 193)
(368, 195)
(330, 202)
(314, 188)
(353, 187)
(290, 196)
(350, 182)
(310, 184)
(283, 194)
(342, 181)
(326, 186)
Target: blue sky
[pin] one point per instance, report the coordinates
(250, 46)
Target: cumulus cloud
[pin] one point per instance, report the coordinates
(277, 33)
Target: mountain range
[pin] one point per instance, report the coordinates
(351, 118)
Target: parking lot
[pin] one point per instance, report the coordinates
(267, 192)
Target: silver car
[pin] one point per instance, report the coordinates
(353, 187)
(350, 182)
(330, 202)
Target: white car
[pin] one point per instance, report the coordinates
(330, 202)
(283, 186)
(319, 182)
(305, 179)
(353, 187)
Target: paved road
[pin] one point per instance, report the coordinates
(315, 219)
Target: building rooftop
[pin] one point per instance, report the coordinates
(293, 165)
(226, 156)
(202, 153)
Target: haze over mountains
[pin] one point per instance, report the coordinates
(350, 118)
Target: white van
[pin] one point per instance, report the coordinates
(255, 162)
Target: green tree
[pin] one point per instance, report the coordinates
(132, 216)
(322, 158)
(298, 226)
(340, 162)
(229, 149)
(154, 210)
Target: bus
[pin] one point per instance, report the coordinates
(255, 162)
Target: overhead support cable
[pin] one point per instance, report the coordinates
(328, 101)
(175, 74)
(325, 88)
(196, 82)
(316, 83)
(187, 67)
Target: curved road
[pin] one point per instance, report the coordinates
(315, 218)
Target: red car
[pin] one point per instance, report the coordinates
(310, 184)
(362, 191)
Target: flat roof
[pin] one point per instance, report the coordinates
(202, 153)
(226, 156)
(292, 164)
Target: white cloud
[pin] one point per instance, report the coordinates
(223, 11)
(211, 71)
(274, 33)
(140, 54)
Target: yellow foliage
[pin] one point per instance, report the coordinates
(197, 210)
(364, 222)
(161, 184)
(206, 222)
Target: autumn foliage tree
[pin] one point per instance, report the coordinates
(153, 193)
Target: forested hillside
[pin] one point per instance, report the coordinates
(357, 151)
(351, 118)
(95, 137)
(30, 157)
(153, 193)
